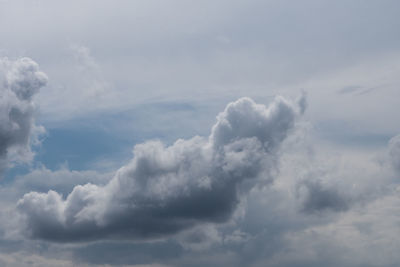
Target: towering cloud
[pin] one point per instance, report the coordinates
(166, 189)
(21, 80)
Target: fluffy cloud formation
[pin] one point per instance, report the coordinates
(21, 80)
(166, 189)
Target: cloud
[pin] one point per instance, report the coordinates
(127, 253)
(61, 180)
(166, 189)
(277, 228)
(200, 238)
(91, 80)
(362, 236)
(317, 198)
(394, 152)
(21, 80)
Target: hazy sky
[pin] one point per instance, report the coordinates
(199, 133)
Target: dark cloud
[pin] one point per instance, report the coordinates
(164, 190)
(21, 80)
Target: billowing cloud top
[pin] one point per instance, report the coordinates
(166, 189)
(21, 80)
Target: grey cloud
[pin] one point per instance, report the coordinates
(200, 238)
(21, 80)
(302, 101)
(356, 90)
(273, 231)
(349, 89)
(164, 190)
(394, 152)
(316, 197)
(363, 236)
(123, 253)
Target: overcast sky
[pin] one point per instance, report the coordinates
(199, 133)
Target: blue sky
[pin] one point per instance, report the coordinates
(220, 133)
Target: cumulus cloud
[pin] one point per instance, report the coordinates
(166, 189)
(21, 80)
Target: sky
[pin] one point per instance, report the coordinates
(199, 133)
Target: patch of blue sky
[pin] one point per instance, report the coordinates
(78, 148)
(10, 174)
(82, 142)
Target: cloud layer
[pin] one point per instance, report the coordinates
(166, 189)
(21, 80)
(394, 152)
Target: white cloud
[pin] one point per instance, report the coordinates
(21, 80)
